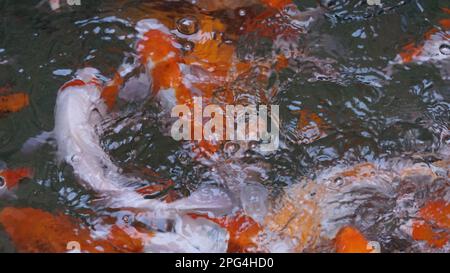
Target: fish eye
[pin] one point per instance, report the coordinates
(253, 144)
(188, 25)
(2, 182)
(231, 147)
(339, 181)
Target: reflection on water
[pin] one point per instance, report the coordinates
(355, 83)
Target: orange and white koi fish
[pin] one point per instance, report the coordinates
(34, 230)
(12, 102)
(435, 48)
(355, 208)
(9, 178)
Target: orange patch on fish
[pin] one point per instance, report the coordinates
(163, 186)
(126, 239)
(157, 46)
(297, 216)
(277, 4)
(13, 102)
(166, 75)
(445, 23)
(34, 230)
(282, 62)
(410, 51)
(434, 227)
(363, 170)
(78, 82)
(111, 90)
(310, 126)
(212, 55)
(13, 176)
(73, 83)
(241, 228)
(351, 240)
(158, 49)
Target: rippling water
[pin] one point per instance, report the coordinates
(361, 108)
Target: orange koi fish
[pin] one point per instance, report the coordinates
(434, 225)
(310, 127)
(9, 178)
(34, 230)
(13, 102)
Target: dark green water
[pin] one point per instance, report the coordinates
(368, 115)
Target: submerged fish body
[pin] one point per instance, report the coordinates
(434, 48)
(34, 230)
(78, 116)
(395, 204)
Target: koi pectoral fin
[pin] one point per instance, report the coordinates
(36, 142)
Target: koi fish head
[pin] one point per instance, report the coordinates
(9, 178)
(435, 46)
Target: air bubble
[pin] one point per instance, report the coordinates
(187, 25)
(231, 147)
(242, 12)
(339, 181)
(253, 145)
(445, 49)
(188, 46)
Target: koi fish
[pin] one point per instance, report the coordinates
(34, 230)
(14, 102)
(79, 112)
(435, 48)
(433, 224)
(335, 211)
(10, 178)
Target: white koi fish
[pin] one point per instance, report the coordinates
(79, 112)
